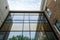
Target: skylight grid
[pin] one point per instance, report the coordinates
(23, 22)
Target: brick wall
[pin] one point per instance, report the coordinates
(55, 9)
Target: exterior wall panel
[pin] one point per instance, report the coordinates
(54, 6)
(4, 9)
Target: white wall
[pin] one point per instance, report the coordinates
(3, 10)
(43, 5)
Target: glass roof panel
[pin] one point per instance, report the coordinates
(33, 35)
(17, 27)
(33, 26)
(26, 27)
(26, 34)
(21, 21)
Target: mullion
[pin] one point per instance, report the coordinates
(22, 22)
(23, 26)
(27, 22)
(29, 27)
(25, 15)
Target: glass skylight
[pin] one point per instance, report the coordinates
(23, 21)
(23, 26)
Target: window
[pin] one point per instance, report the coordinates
(2, 35)
(58, 25)
(48, 12)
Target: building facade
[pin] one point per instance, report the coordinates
(53, 15)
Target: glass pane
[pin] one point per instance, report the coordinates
(27, 14)
(25, 4)
(18, 14)
(33, 26)
(26, 18)
(17, 27)
(17, 18)
(58, 25)
(51, 35)
(2, 35)
(14, 35)
(26, 26)
(34, 18)
(41, 36)
(33, 35)
(26, 35)
(23, 21)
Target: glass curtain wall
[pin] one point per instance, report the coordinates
(24, 24)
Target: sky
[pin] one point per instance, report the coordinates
(24, 4)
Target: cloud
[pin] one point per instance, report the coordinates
(24, 4)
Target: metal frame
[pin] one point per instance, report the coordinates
(14, 11)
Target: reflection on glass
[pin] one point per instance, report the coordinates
(23, 21)
(26, 18)
(26, 34)
(25, 4)
(17, 18)
(41, 36)
(17, 27)
(34, 18)
(14, 35)
(21, 36)
(33, 35)
(2, 35)
(33, 26)
(26, 27)
(57, 23)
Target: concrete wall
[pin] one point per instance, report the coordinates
(54, 7)
(4, 9)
